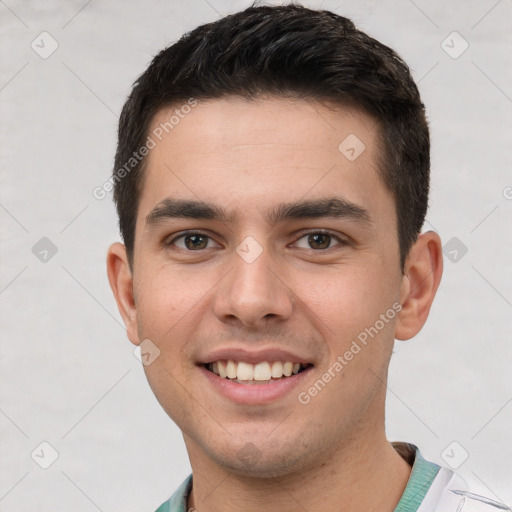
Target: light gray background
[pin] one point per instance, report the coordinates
(68, 373)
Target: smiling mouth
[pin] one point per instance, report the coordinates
(260, 373)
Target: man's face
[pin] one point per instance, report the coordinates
(248, 287)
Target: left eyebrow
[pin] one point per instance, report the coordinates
(333, 207)
(329, 207)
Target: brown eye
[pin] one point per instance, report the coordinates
(195, 241)
(319, 240)
(191, 241)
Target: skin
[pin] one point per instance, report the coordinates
(249, 156)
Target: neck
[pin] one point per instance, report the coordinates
(368, 475)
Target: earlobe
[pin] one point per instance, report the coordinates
(121, 281)
(423, 271)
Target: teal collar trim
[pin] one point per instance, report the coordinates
(421, 478)
(178, 501)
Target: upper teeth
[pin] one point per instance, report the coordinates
(260, 371)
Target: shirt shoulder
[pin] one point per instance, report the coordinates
(450, 492)
(432, 488)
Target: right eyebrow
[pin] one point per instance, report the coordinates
(171, 208)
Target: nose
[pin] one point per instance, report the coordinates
(253, 293)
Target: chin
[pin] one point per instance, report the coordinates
(249, 461)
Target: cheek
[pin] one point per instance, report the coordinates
(168, 313)
(165, 297)
(350, 299)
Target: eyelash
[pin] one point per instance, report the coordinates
(341, 241)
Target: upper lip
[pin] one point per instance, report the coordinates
(253, 356)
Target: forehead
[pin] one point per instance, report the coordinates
(274, 121)
(248, 154)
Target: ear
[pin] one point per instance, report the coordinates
(121, 281)
(422, 275)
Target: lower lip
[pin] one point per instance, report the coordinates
(254, 394)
